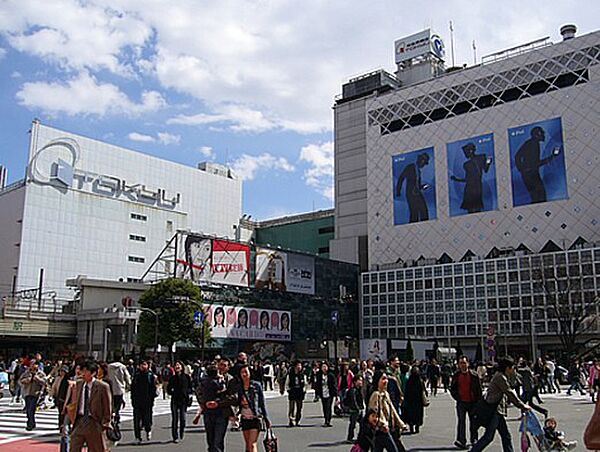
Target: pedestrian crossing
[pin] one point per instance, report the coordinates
(13, 418)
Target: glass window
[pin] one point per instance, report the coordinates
(439, 294)
(515, 302)
(526, 301)
(470, 305)
(392, 298)
(514, 289)
(490, 278)
(525, 275)
(478, 267)
(469, 292)
(512, 263)
(366, 299)
(492, 304)
(491, 291)
(448, 294)
(437, 271)
(418, 296)
(419, 284)
(503, 302)
(374, 277)
(418, 273)
(490, 266)
(479, 279)
(513, 276)
(480, 291)
(366, 312)
(383, 299)
(391, 287)
(428, 307)
(573, 270)
(587, 269)
(383, 287)
(382, 277)
(428, 284)
(409, 274)
(458, 281)
(524, 262)
(410, 308)
(390, 276)
(366, 289)
(401, 308)
(429, 295)
(447, 270)
(448, 282)
(420, 319)
(383, 310)
(419, 307)
(458, 269)
(460, 317)
(429, 319)
(469, 280)
(374, 288)
(410, 285)
(449, 306)
(460, 305)
(459, 293)
(400, 286)
(501, 264)
(428, 272)
(438, 283)
(410, 296)
(573, 257)
(365, 278)
(392, 309)
(469, 267)
(525, 288)
(399, 275)
(502, 278)
(502, 290)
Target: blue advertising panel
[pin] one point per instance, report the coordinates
(472, 175)
(537, 162)
(413, 175)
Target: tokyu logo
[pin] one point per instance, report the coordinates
(54, 165)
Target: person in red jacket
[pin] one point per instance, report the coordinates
(466, 390)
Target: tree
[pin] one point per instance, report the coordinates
(567, 301)
(175, 301)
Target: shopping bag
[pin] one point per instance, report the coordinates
(270, 441)
(531, 424)
(591, 437)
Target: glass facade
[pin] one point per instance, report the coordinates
(463, 299)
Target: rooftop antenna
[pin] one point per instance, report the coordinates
(452, 42)
(474, 53)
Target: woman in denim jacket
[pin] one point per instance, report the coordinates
(252, 409)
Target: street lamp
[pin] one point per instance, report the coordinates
(532, 319)
(155, 314)
(107, 332)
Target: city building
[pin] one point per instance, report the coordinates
(470, 195)
(91, 208)
(306, 232)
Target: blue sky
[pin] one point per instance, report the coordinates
(248, 84)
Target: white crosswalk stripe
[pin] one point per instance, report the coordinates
(13, 419)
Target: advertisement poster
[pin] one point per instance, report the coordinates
(237, 322)
(230, 263)
(472, 175)
(271, 268)
(205, 260)
(537, 162)
(375, 349)
(300, 274)
(284, 272)
(413, 176)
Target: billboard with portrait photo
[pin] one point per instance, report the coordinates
(413, 175)
(242, 322)
(537, 162)
(472, 175)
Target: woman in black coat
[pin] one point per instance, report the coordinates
(326, 390)
(180, 389)
(414, 397)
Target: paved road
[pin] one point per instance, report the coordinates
(436, 435)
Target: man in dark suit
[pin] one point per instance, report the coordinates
(94, 411)
(143, 393)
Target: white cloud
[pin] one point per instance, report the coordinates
(207, 152)
(134, 136)
(320, 174)
(168, 138)
(281, 71)
(247, 166)
(2, 53)
(85, 95)
(16, 74)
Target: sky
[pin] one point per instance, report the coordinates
(249, 84)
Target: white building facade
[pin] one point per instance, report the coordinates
(90, 208)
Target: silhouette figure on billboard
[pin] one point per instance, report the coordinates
(528, 161)
(417, 206)
(474, 167)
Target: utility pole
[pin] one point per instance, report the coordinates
(474, 53)
(452, 42)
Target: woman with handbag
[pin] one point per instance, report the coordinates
(388, 420)
(179, 388)
(253, 410)
(415, 401)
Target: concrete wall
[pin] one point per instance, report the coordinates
(11, 216)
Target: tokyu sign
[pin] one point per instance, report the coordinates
(419, 44)
(54, 165)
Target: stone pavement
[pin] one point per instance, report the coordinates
(437, 434)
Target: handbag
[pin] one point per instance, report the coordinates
(357, 448)
(424, 399)
(483, 412)
(591, 437)
(72, 411)
(270, 442)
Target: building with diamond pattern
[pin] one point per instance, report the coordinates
(469, 196)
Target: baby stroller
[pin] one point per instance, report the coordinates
(533, 433)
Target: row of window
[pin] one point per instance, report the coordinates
(547, 262)
(136, 259)
(139, 217)
(515, 328)
(137, 238)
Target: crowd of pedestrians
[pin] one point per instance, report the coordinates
(382, 401)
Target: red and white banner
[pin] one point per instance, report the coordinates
(206, 261)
